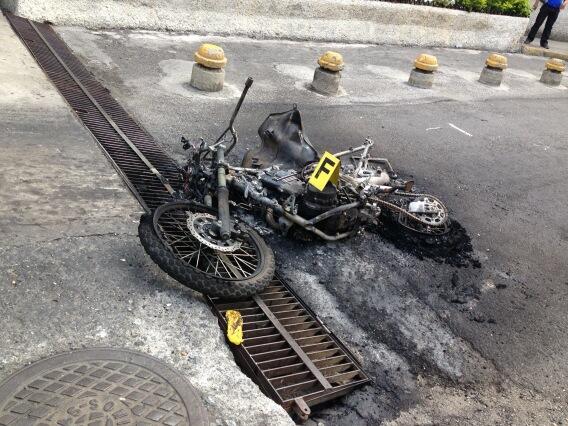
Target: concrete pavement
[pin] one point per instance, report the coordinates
(445, 344)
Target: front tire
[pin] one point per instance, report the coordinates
(204, 270)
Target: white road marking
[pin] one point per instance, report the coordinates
(460, 130)
(545, 147)
(433, 128)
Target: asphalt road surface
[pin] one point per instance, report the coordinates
(477, 340)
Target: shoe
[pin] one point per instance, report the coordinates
(544, 45)
(528, 41)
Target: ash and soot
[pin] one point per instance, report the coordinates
(382, 292)
(453, 248)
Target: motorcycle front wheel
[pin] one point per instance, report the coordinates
(235, 273)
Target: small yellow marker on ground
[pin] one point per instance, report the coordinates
(234, 327)
(426, 62)
(555, 64)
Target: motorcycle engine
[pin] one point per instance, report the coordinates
(315, 202)
(309, 201)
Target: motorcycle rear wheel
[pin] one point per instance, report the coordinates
(230, 275)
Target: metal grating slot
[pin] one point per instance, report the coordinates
(149, 172)
(297, 320)
(288, 352)
(330, 361)
(275, 358)
(266, 331)
(298, 390)
(266, 347)
(323, 354)
(285, 370)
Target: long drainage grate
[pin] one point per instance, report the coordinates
(287, 350)
(147, 170)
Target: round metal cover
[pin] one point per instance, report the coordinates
(99, 387)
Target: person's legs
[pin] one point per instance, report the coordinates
(552, 15)
(542, 14)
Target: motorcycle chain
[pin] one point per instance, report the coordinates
(398, 209)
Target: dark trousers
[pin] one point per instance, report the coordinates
(548, 13)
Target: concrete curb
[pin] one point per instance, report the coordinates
(539, 51)
(348, 21)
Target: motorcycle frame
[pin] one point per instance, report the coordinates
(226, 180)
(220, 150)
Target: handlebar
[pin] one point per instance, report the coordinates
(248, 84)
(231, 129)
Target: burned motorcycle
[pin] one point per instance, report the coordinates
(203, 241)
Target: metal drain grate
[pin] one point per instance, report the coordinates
(147, 170)
(289, 352)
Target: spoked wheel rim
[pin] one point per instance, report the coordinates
(170, 224)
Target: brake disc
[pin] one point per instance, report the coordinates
(203, 226)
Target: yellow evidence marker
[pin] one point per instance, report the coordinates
(326, 171)
(234, 327)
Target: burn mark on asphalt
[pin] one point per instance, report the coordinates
(453, 248)
(390, 295)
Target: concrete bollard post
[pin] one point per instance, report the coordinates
(552, 74)
(328, 75)
(492, 73)
(422, 75)
(208, 72)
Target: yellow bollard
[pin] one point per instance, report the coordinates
(328, 75)
(426, 62)
(210, 56)
(208, 72)
(494, 60)
(492, 73)
(552, 74)
(422, 75)
(331, 61)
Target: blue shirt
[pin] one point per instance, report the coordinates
(554, 3)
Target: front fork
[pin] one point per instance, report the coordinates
(222, 195)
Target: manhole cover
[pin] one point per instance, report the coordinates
(99, 387)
